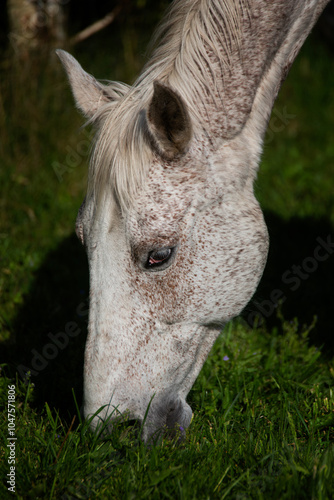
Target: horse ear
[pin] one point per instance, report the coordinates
(88, 93)
(168, 122)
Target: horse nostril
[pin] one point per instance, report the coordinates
(133, 423)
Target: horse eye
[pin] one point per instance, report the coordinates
(157, 258)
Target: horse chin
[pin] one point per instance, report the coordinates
(168, 416)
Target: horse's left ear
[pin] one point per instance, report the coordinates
(88, 93)
(168, 122)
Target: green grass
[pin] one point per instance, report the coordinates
(263, 427)
(263, 418)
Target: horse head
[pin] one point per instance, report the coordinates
(176, 241)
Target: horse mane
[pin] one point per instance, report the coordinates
(193, 34)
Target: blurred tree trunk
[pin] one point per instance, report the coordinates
(35, 25)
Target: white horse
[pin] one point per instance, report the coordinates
(175, 238)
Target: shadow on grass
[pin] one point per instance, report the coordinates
(300, 275)
(51, 327)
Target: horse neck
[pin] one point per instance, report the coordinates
(218, 53)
